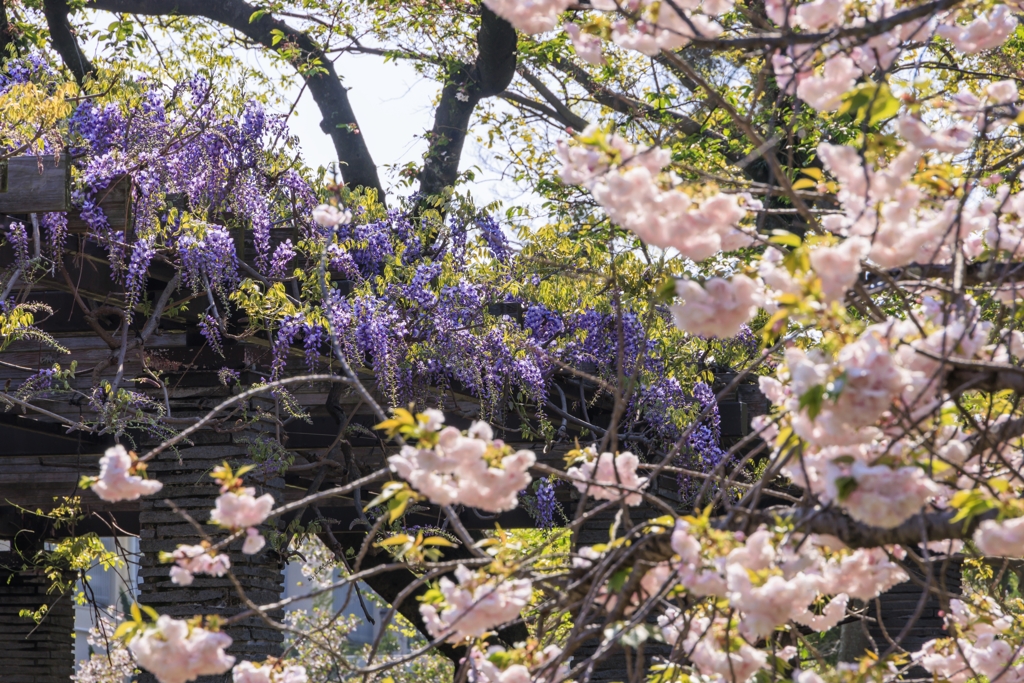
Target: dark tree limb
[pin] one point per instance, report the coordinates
(7, 41)
(309, 59)
(466, 85)
(625, 104)
(62, 36)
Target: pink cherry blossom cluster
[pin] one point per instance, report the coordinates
(176, 651)
(846, 408)
(474, 469)
(628, 183)
(771, 581)
(475, 605)
(248, 672)
(197, 559)
(608, 476)
(884, 205)
(658, 26)
(237, 508)
(1001, 539)
(118, 479)
(329, 216)
(527, 665)
(241, 508)
(719, 308)
(707, 645)
(529, 16)
(845, 61)
(980, 648)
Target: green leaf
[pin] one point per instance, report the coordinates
(397, 508)
(398, 539)
(812, 400)
(845, 486)
(124, 629)
(786, 238)
(618, 579)
(390, 490)
(136, 613)
(438, 540)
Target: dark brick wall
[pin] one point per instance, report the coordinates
(31, 653)
(188, 484)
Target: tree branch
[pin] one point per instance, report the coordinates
(308, 58)
(488, 76)
(63, 39)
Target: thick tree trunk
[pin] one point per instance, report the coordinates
(62, 37)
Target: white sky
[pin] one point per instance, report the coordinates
(393, 106)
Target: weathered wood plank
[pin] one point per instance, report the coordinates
(33, 184)
(115, 203)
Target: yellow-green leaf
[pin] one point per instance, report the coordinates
(438, 540)
(398, 539)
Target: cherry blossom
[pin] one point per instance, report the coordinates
(475, 605)
(329, 216)
(627, 182)
(529, 16)
(838, 266)
(825, 92)
(882, 497)
(588, 47)
(176, 652)
(1001, 539)
(833, 612)
(117, 481)
(254, 541)
(242, 509)
(706, 644)
(989, 30)
(1002, 92)
(719, 308)
(954, 139)
(885, 206)
(819, 14)
(475, 470)
(483, 668)
(979, 648)
(609, 477)
(863, 574)
(197, 559)
(777, 278)
(248, 672)
(855, 390)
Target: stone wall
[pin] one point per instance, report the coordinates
(32, 653)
